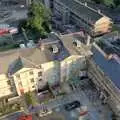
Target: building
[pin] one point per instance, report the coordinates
(67, 56)
(104, 69)
(81, 15)
(28, 2)
(21, 68)
(75, 63)
(29, 69)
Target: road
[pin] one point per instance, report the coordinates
(96, 110)
(87, 97)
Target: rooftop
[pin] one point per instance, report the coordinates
(13, 60)
(74, 50)
(82, 11)
(67, 41)
(110, 67)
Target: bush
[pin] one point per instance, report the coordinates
(38, 22)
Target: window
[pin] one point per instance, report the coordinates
(18, 76)
(8, 82)
(11, 89)
(40, 79)
(40, 67)
(39, 74)
(31, 72)
(20, 84)
(32, 80)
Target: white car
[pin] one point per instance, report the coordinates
(45, 112)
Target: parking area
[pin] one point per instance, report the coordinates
(87, 95)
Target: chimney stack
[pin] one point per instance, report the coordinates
(85, 3)
(99, 11)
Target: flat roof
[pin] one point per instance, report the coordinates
(88, 14)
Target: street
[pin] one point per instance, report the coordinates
(96, 110)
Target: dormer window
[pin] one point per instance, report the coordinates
(77, 43)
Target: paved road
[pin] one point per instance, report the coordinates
(87, 97)
(96, 110)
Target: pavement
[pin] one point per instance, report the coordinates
(97, 111)
(88, 97)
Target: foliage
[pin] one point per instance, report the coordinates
(106, 2)
(6, 47)
(98, 1)
(30, 98)
(117, 2)
(38, 21)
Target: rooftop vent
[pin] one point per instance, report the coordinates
(22, 46)
(54, 49)
(77, 43)
(85, 3)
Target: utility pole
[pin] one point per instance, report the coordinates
(26, 38)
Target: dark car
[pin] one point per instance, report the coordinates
(83, 77)
(72, 105)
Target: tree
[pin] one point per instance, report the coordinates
(117, 2)
(97, 1)
(39, 18)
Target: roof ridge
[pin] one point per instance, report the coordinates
(89, 7)
(29, 61)
(100, 50)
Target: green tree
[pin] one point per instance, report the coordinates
(39, 18)
(117, 2)
(97, 1)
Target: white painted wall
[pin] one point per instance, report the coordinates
(5, 88)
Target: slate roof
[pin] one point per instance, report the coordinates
(111, 68)
(67, 41)
(54, 40)
(78, 8)
(13, 60)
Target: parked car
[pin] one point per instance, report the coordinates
(83, 77)
(72, 105)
